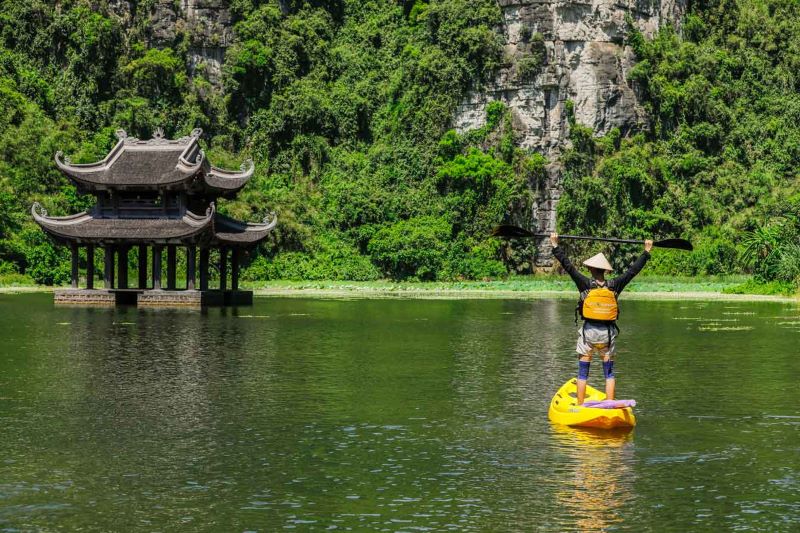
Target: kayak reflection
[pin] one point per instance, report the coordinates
(598, 482)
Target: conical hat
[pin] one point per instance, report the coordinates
(598, 261)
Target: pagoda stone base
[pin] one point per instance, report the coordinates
(213, 298)
(84, 297)
(152, 298)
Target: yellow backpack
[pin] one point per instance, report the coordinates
(600, 304)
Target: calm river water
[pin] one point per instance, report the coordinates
(392, 415)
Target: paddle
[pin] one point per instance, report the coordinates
(515, 232)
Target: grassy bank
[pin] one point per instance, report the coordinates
(727, 287)
(523, 283)
(721, 287)
(12, 282)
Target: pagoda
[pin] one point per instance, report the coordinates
(156, 194)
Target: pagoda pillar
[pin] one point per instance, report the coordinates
(157, 267)
(90, 266)
(190, 267)
(204, 253)
(235, 269)
(74, 252)
(122, 267)
(142, 266)
(223, 268)
(108, 273)
(171, 264)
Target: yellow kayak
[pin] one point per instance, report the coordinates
(563, 410)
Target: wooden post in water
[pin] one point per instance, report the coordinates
(122, 267)
(90, 266)
(108, 273)
(171, 264)
(235, 269)
(142, 266)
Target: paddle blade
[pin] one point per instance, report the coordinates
(511, 232)
(679, 244)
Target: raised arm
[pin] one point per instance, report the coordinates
(619, 283)
(580, 280)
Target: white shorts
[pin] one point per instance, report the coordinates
(597, 338)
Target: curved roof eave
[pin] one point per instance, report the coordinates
(229, 180)
(41, 217)
(231, 232)
(80, 170)
(90, 174)
(83, 227)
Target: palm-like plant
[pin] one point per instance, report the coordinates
(789, 263)
(760, 245)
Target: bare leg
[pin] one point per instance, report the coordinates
(582, 382)
(610, 382)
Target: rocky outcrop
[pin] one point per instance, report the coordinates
(209, 25)
(559, 50)
(206, 23)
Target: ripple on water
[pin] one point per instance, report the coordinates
(391, 415)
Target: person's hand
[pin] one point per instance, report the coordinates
(554, 239)
(648, 245)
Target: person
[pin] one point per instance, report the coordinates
(598, 309)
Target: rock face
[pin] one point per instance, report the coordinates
(209, 25)
(559, 50)
(556, 51)
(206, 23)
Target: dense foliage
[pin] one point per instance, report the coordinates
(345, 107)
(720, 160)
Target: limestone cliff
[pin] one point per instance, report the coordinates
(559, 50)
(555, 51)
(206, 24)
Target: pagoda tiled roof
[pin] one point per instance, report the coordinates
(85, 227)
(221, 180)
(156, 163)
(212, 228)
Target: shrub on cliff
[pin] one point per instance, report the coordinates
(723, 146)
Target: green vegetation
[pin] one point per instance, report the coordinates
(708, 287)
(344, 107)
(704, 287)
(719, 162)
(13, 279)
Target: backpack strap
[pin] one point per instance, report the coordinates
(581, 298)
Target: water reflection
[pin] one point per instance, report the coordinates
(509, 356)
(387, 414)
(598, 475)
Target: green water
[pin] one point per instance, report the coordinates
(396, 415)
